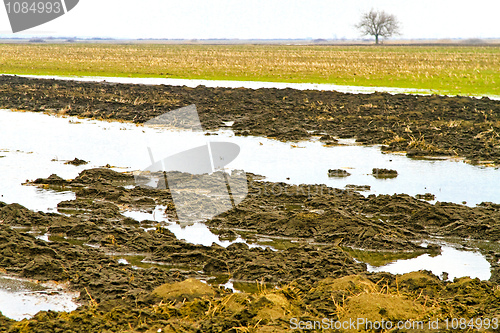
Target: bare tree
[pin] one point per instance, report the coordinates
(378, 24)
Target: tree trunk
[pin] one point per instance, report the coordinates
(376, 39)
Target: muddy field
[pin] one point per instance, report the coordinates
(307, 275)
(418, 125)
(310, 279)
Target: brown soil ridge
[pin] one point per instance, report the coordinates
(420, 125)
(314, 214)
(191, 306)
(314, 281)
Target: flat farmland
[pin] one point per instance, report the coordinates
(464, 70)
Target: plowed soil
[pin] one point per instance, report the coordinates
(419, 125)
(307, 279)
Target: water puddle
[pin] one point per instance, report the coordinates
(239, 286)
(238, 84)
(380, 258)
(36, 145)
(20, 298)
(453, 263)
(30, 153)
(244, 84)
(196, 233)
(247, 287)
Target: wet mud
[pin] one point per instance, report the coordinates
(303, 269)
(384, 173)
(380, 222)
(191, 306)
(309, 279)
(338, 173)
(418, 125)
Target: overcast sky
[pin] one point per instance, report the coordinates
(265, 19)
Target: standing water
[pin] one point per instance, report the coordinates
(21, 298)
(36, 145)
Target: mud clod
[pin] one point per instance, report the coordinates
(186, 290)
(358, 187)
(384, 173)
(77, 162)
(308, 281)
(426, 196)
(338, 173)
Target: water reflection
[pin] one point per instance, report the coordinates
(37, 145)
(454, 262)
(30, 153)
(196, 233)
(20, 299)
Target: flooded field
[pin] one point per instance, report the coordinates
(21, 299)
(30, 153)
(242, 84)
(318, 212)
(452, 262)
